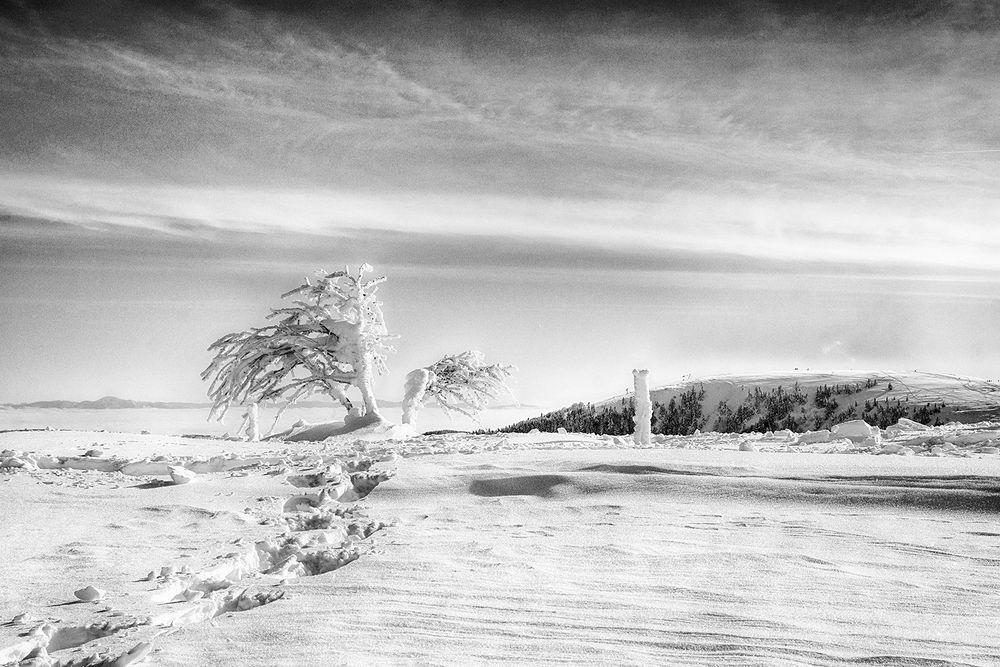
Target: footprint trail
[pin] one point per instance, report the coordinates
(322, 529)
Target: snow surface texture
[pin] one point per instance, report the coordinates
(310, 534)
(714, 549)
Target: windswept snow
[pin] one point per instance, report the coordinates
(850, 546)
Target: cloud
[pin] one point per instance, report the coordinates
(835, 346)
(775, 230)
(838, 351)
(782, 134)
(497, 103)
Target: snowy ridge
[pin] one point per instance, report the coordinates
(805, 400)
(962, 392)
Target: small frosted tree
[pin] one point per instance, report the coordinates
(462, 383)
(332, 336)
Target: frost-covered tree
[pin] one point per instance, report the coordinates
(332, 336)
(462, 383)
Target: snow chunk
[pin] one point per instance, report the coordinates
(911, 425)
(974, 437)
(890, 448)
(89, 594)
(181, 475)
(812, 437)
(904, 426)
(856, 430)
(146, 467)
(16, 462)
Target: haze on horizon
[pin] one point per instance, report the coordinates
(578, 191)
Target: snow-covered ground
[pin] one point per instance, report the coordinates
(182, 421)
(711, 549)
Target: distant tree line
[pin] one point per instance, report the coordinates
(762, 410)
(682, 415)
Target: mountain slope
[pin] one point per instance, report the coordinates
(798, 401)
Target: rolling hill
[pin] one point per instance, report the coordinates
(798, 401)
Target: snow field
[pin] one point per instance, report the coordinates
(315, 538)
(773, 548)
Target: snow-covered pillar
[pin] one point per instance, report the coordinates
(643, 408)
(414, 390)
(253, 426)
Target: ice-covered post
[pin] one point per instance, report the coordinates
(643, 408)
(253, 425)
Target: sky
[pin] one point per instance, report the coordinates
(578, 189)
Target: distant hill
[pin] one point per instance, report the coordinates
(115, 403)
(799, 401)
(106, 403)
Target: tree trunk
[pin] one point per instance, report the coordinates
(338, 394)
(364, 383)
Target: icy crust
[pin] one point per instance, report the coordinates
(321, 531)
(905, 438)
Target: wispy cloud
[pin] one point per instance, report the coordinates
(784, 137)
(504, 105)
(826, 231)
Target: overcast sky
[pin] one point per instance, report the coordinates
(576, 191)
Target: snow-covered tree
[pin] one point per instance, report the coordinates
(332, 336)
(462, 383)
(414, 393)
